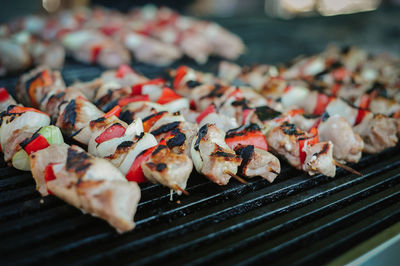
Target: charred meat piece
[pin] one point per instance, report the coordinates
(257, 162)
(168, 168)
(212, 156)
(347, 144)
(93, 185)
(295, 146)
(177, 133)
(378, 131)
(34, 85)
(76, 114)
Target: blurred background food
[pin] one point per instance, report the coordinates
(273, 30)
(220, 8)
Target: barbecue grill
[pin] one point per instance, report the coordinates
(297, 218)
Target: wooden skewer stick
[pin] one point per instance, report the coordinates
(238, 178)
(347, 168)
(176, 188)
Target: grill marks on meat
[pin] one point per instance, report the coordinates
(265, 113)
(177, 140)
(258, 162)
(91, 184)
(77, 161)
(319, 159)
(177, 132)
(77, 114)
(291, 129)
(168, 168)
(216, 157)
(165, 128)
(69, 116)
(283, 140)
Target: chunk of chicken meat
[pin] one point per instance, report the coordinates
(347, 145)
(379, 132)
(258, 162)
(168, 168)
(212, 156)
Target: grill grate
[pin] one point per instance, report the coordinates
(317, 216)
(297, 218)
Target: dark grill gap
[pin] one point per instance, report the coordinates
(297, 218)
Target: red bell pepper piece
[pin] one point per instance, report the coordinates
(137, 98)
(22, 109)
(49, 175)
(360, 116)
(4, 96)
(396, 114)
(294, 112)
(310, 141)
(287, 89)
(115, 131)
(192, 105)
(237, 93)
(123, 70)
(322, 102)
(168, 95)
(137, 89)
(94, 52)
(365, 101)
(335, 89)
(255, 138)
(180, 74)
(210, 109)
(43, 80)
(116, 110)
(135, 173)
(149, 121)
(36, 144)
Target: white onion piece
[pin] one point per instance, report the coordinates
(75, 39)
(295, 95)
(146, 142)
(223, 122)
(20, 160)
(83, 135)
(196, 156)
(154, 91)
(339, 107)
(135, 128)
(177, 105)
(26, 120)
(108, 147)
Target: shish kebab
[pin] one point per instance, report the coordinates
(108, 91)
(218, 171)
(285, 139)
(126, 146)
(221, 161)
(377, 130)
(91, 184)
